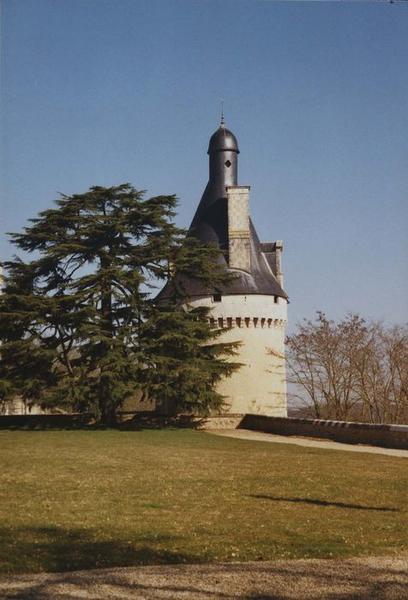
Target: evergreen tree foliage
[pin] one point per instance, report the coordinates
(183, 359)
(78, 327)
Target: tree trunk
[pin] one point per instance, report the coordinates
(108, 416)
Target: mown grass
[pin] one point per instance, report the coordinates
(84, 499)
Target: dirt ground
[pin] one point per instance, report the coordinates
(375, 578)
(259, 436)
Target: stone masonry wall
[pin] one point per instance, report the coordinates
(258, 323)
(389, 436)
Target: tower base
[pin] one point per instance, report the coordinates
(258, 323)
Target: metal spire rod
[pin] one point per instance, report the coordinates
(222, 114)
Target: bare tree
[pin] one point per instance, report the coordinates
(382, 375)
(350, 370)
(396, 347)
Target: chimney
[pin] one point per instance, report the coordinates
(278, 259)
(273, 254)
(238, 227)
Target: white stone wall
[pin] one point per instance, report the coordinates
(17, 406)
(258, 322)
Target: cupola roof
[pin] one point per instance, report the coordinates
(221, 140)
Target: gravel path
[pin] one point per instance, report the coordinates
(364, 579)
(247, 434)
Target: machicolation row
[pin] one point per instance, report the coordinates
(254, 322)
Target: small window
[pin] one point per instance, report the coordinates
(276, 299)
(217, 298)
(227, 163)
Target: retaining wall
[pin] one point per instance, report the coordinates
(45, 421)
(126, 420)
(389, 436)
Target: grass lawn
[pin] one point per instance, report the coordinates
(84, 499)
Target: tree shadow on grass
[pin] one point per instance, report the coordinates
(318, 502)
(54, 549)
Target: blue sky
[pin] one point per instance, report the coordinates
(98, 92)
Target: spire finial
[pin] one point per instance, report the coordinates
(222, 124)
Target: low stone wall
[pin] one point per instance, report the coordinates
(126, 420)
(388, 436)
(226, 421)
(60, 421)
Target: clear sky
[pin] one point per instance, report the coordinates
(100, 92)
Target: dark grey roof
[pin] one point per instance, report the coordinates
(222, 139)
(210, 225)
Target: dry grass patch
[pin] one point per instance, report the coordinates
(82, 499)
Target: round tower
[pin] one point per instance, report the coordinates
(253, 308)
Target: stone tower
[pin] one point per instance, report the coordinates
(253, 308)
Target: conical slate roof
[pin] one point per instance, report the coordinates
(210, 225)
